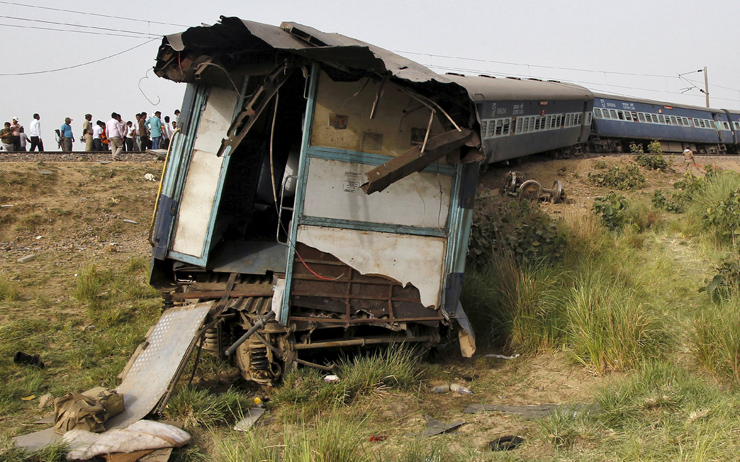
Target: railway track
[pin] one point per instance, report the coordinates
(80, 156)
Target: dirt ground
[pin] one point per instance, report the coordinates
(70, 214)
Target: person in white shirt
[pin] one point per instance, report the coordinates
(96, 136)
(35, 133)
(23, 139)
(115, 135)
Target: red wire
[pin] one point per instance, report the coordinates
(314, 272)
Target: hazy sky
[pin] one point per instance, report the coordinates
(634, 48)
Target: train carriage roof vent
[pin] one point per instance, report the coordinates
(514, 78)
(554, 81)
(486, 76)
(455, 73)
(532, 78)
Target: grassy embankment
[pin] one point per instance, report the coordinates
(616, 291)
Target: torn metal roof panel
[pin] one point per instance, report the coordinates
(236, 36)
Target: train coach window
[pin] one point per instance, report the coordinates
(673, 120)
(578, 119)
(597, 113)
(506, 127)
(685, 121)
(641, 117)
(613, 114)
(736, 125)
(620, 114)
(726, 125)
(655, 118)
(695, 123)
(661, 119)
(628, 116)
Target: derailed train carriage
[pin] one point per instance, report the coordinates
(320, 191)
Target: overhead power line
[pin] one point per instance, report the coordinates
(536, 65)
(91, 14)
(70, 30)
(78, 25)
(80, 65)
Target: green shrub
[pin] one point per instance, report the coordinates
(652, 161)
(515, 225)
(726, 283)
(627, 177)
(724, 216)
(199, 407)
(611, 210)
(654, 147)
(636, 148)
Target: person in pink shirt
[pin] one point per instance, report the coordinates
(115, 135)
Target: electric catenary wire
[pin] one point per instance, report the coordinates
(82, 64)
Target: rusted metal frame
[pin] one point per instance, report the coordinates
(414, 160)
(365, 341)
(378, 96)
(364, 320)
(314, 365)
(390, 303)
(306, 277)
(213, 294)
(356, 297)
(348, 298)
(254, 107)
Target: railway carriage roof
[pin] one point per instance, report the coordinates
(503, 89)
(657, 103)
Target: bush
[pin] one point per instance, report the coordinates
(611, 210)
(724, 216)
(515, 225)
(623, 178)
(654, 147)
(726, 283)
(652, 161)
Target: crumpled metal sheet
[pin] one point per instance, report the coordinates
(154, 369)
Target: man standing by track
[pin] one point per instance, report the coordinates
(143, 132)
(67, 137)
(35, 133)
(115, 135)
(87, 132)
(155, 129)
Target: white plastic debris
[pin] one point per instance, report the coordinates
(331, 379)
(139, 436)
(492, 355)
(149, 177)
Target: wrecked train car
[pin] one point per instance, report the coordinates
(320, 191)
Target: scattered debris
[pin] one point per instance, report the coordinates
(251, 418)
(39, 237)
(533, 412)
(378, 438)
(493, 355)
(28, 398)
(143, 435)
(257, 401)
(440, 389)
(457, 388)
(515, 184)
(24, 358)
(7, 206)
(505, 443)
(46, 172)
(27, 258)
(435, 427)
(126, 220)
(331, 379)
(149, 177)
(46, 400)
(87, 411)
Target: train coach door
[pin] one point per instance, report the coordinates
(201, 191)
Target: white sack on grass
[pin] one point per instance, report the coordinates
(139, 436)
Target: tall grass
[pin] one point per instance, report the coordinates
(515, 306)
(394, 367)
(716, 338)
(608, 328)
(328, 439)
(195, 407)
(716, 207)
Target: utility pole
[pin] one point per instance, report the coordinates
(706, 85)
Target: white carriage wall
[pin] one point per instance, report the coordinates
(204, 175)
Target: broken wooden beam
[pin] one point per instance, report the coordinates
(414, 160)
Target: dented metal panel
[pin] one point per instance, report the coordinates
(417, 260)
(333, 191)
(204, 176)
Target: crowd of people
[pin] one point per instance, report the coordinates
(115, 135)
